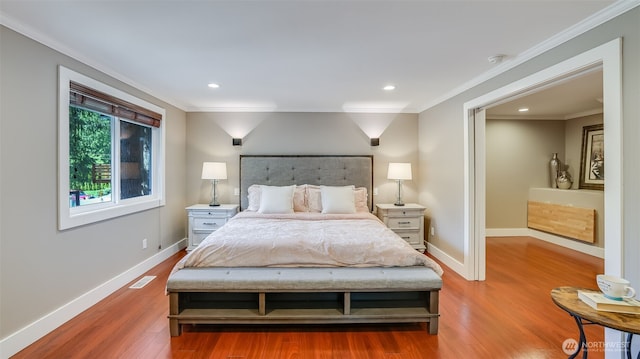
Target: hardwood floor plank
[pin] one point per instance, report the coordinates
(510, 315)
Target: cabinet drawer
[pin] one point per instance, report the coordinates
(411, 237)
(208, 223)
(399, 222)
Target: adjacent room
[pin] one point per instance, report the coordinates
(310, 179)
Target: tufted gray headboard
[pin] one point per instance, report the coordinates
(283, 170)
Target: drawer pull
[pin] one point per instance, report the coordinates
(404, 222)
(406, 237)
(210, 223)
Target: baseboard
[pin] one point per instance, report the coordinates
(561, 241)
(24, 337)
(446, 259)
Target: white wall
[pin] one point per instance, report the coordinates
(42, 268)
(298, 133)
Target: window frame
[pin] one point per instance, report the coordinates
(70, 217)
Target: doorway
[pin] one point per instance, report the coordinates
(608, 56)
(522, 134)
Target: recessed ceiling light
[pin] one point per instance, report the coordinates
(389, 88)
(523, 109)
(213, 86)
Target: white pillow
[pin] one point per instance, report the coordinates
(299, 201)
(276, 199)
(337, 200)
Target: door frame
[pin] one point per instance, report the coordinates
(608, 56)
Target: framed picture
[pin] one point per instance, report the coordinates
(592, 159)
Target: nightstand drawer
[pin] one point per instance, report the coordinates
(412, 237)
(207, 213)
(409, 212)
(208, 223)
(399, 223)
(199, 237)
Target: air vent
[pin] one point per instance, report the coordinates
(143, 281)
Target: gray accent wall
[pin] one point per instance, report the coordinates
(517, 158)
(295, 133)
(42, 268)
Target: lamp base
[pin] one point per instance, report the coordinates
(214, 194)
(399, 202)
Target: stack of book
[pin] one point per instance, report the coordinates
(598, 301)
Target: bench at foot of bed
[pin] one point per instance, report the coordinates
(303, 296)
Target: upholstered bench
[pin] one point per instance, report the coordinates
(303, 295)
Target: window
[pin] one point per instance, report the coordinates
(111, 152)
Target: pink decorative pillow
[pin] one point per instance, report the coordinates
(299, 200)
(314, 202)
(360, 194)
(253, 196)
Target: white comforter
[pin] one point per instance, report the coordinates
(305, 240)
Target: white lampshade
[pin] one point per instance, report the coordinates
(399, 171)
(214, 170)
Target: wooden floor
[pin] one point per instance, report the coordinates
(510, 315)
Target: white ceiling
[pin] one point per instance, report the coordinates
(298, 55)
(578, 96)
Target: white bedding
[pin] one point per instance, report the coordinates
(305, 240)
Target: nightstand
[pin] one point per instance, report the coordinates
(407, 221)
(205, 219)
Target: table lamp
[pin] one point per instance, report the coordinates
(399, 172)
(214, 171)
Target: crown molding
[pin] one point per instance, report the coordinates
(606, 14)
(616, 9)
(570, 116)
(595, 111)
(45, 40)
(523, 118)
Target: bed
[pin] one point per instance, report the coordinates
(305, 249)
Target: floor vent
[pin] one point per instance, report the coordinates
(143, 281)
